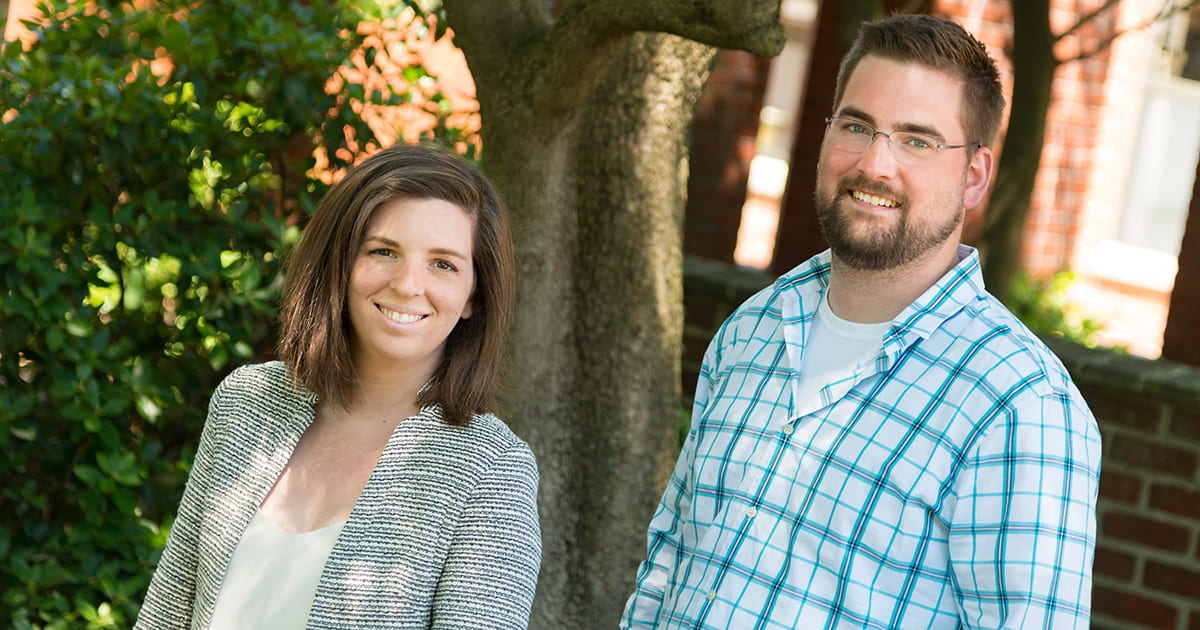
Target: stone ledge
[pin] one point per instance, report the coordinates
(722, 280)
(1129, 376)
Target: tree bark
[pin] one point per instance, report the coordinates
(1181, 339)
(854, 13)
(1033, 75)
(584, 127)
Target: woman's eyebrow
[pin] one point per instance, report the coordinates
(441, 251)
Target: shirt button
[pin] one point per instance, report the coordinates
(751, 512)
(711, 595)
(787, 429)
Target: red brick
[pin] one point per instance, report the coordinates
(1172, 579)
(1120, 486)
(702, 310)
(1181, 501)
(1115, 564)
(1154, 456)
(1145, 531)
(1110, 409)
(1185, 425)
(1133, 607)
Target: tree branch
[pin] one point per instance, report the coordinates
(518, 51)
(749, 25)
(1167, 11)
(493, 28)
(1087, 18)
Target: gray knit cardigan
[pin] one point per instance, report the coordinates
(444, 535)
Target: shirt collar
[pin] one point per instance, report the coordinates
(807, 283)
(960, 286)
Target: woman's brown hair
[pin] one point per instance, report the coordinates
(316, 340)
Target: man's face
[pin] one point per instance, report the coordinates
(878, 213)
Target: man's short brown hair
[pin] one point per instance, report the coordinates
(942, 45)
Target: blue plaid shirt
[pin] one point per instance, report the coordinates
(949, 482)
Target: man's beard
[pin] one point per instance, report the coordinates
(880, 247)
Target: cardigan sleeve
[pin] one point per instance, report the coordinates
(170, 599)
(490, 573)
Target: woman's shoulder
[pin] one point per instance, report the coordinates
(261, 391)
(269, 380)
(485, 436)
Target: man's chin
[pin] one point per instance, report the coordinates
(866, 250)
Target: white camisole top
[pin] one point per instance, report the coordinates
(272, 578)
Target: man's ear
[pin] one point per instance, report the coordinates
(979, 176)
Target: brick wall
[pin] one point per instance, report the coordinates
(722, 146)
(1147, 569)
(1147, 572)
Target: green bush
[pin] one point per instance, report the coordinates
(142, 221)
(1044, 307)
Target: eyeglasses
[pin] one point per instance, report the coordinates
(907, 147)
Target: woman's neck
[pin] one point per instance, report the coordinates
(385, 390)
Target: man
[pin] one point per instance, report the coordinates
(876, 441)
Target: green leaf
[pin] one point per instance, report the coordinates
(87, 474)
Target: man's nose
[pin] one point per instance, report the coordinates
(877, 160)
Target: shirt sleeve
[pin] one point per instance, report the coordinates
(1023, 534)
(490, 574)
(664, 536)
(172, 593)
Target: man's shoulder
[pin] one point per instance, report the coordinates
(993, 343)
(808, 278)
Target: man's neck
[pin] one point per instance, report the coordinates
(869, 297)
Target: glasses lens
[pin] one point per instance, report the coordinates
(913, 145)
(855, 136)
(851, 135)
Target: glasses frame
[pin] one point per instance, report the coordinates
(938, 146)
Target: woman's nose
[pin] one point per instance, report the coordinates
(406, 279)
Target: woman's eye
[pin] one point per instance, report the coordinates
(445, 266)
(381, 251)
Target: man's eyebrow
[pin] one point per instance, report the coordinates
(854, 112)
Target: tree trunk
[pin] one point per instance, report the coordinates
(1181, 339)
(584, 128)
(1033, 74)
(854, 13)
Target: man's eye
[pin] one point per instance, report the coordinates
(856, 128)
(919, 143)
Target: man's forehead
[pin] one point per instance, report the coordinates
(932, 98)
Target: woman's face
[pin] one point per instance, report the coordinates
(412, 281)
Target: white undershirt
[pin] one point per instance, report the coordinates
(272, 578)
(833, 347)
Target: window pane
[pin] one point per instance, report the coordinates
(1164, 167)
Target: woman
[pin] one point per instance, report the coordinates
(362, 482)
